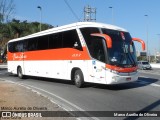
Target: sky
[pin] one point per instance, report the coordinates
(128, 14)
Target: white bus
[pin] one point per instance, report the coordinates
(82, 52)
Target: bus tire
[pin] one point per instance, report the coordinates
(20, 73)
(78, 78)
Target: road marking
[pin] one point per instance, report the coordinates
(156, 72)
(62, 99)
(143, 77)
(156, 85)
(144, 83)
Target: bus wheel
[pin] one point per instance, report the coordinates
(78, 78)
(19, 73)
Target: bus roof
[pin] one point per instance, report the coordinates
(69, 27)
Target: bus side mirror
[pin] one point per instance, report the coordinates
(141, 41)
(106, 37)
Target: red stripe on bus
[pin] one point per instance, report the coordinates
(53, 54)
(120, 69)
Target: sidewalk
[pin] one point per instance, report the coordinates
(17, 98)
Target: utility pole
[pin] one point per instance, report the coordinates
(40, 8)
(148, 54)
(89, 14)
(112, 15)
(159, 40)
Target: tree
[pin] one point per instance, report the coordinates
(7, 8)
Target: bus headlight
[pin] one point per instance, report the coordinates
(115, 78)
(113, 71)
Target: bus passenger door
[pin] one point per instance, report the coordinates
(97, 52)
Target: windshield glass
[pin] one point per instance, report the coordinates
(122, 52)
(145, 63)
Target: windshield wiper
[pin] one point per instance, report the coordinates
(134, 62)
(127, 56)
(124, 54)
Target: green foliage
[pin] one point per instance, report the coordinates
(16, 29)
(142, 58)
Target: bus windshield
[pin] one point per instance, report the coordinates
(122, 53)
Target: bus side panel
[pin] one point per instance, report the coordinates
(46, 68)
(13, 65)
(60, 69)
(14, 61)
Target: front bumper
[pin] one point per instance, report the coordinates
(122, 78)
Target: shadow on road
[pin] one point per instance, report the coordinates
(140, 83)
(69, 82)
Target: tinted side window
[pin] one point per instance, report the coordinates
(10, 47)
(55, 40)
(25, 44)
(42, 43)
(67, 39)
(15, 46)
(32, 44)
(19, 46)
(71, 40)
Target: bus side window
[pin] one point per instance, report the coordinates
(32, 44)
(55, 41)
(71, 40)
(25, 43)
(66, 39)
(19, 46)
(10, 47)
(42, 43)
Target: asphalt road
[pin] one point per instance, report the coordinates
(139, 96)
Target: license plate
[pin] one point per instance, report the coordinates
(128, 79)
